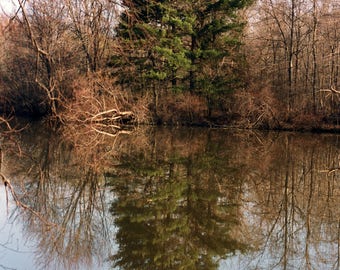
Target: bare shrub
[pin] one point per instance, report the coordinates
(307, 121)
(140, 107)
(98, 102)
(257, 109)
(184, 108)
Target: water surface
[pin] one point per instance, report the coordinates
(170, 198)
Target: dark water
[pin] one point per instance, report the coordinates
(161, 198)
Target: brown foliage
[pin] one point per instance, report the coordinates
(307, 121)
(257, 109)
(98, 102)
(183, 108)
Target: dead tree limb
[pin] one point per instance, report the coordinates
(330, 171)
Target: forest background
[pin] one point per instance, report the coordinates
(252, 64)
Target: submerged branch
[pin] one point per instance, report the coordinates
(110, 122)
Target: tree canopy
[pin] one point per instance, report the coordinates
(181, 46)
(263, 64)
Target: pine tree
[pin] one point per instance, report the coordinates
(150, 43)
(215, 48)
(180, 45)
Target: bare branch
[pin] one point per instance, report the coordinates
(19, 203)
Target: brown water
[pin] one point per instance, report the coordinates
(162, 198)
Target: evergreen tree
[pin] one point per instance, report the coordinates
(180, 45)
(215, 47)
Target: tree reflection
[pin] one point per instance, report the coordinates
(56, 181)
(175, 209)
(179, 199)
(294, 209)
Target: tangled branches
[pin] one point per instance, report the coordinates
(19, 203)
(98, 104)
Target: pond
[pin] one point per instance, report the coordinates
(169, 198)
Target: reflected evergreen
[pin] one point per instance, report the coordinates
(178, 199)
(174, 212)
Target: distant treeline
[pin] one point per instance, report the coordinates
(255, 64)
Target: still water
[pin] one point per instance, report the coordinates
(169, 198)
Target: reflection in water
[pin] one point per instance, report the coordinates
(52, 180)
(176, 206)
(293, 203)
(179, 199)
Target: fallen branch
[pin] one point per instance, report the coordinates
(331, 90)
(332, 170)
(103, 113)
(112, 116)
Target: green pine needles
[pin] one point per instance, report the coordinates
(189, 45)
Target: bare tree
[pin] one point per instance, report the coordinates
(93, 22)
(43, 29)
(295, 46)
